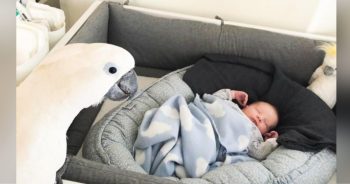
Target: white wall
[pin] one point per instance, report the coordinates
(324, 18)
(312, 16)
(73, 9)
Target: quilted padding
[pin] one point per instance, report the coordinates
(110, 141)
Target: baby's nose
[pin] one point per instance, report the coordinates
(261, 118)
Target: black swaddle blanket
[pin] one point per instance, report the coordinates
(306, 123)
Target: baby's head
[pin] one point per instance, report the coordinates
(263, 115)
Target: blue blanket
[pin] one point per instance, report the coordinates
(188, 140)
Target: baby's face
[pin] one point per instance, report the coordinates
(263, 115)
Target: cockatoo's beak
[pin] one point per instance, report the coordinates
(125, 87)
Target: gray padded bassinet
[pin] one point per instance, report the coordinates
(111, 140)
(160, 45)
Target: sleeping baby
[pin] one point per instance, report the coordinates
(263, 115)
(189, 139)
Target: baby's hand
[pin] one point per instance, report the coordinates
(271, 134)
(240, 96)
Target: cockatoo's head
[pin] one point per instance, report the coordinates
(329, 65)
(86, 73)
(67, 80)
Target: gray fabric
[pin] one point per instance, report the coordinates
(297, 57)
(86, 171)
(151, 72)
(301, 167)
(282, 166)
(159, 42)
(80, 127)
(110, 141)
(171, 44)
(95, 29)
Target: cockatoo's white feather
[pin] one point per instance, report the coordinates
(324, 80)
(68, 80)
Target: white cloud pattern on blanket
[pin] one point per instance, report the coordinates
(243, 142)
(171, 157)
(149, 113)
(156, 128)
(215, 109)
(140, 156)
(170, 112)
(180, 171)
(209, 129)
(168, 146)
(186, 118)
(201, 166)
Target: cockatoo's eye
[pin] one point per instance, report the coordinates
(328, 70)
(110, 68)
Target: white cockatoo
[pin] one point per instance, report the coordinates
(323, 81)
(68, 80)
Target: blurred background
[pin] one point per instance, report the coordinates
(311, 16)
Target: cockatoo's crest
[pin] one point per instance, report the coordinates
(330, 50)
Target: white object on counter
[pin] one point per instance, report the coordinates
(32, 46)
(26, 44)
(55, 36)
(54, 17)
